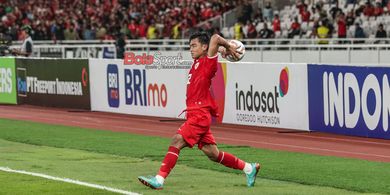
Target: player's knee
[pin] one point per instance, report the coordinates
(177, 141)
(212, 155)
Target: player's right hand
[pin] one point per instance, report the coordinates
(222, 51)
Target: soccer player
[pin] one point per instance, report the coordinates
(200, 107)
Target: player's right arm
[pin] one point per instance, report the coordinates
(214, 46)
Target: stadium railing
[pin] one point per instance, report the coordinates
(249, 42)
(262, 47)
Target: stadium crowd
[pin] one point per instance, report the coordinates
(104, 19)
(155, 19)
(317, 19)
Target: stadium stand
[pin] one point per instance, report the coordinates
(103, 19)
(302, 19)
(159, 19)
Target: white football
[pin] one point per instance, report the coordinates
(241, 49)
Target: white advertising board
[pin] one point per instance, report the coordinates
(257, 94)
(136, 89)
(271, 95)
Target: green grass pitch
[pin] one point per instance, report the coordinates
(116, 159)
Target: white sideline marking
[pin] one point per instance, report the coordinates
(6, 169)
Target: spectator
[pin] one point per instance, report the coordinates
(48, 19)
(5, 41)
(276, 23)
(14, 31)
(89, 33)
(378, 9)
(350, 19)
(238, 30)
(268, 12)
(368, 9)
(207, 11)
(295, 29)
(247, 11)
(321, 14)
(252, 33)
(305, 15)
(360, 9)
(335, 10)
(160, 27)
(341, 27)
(359, 33)
(315, 14)
(125, 30)
(301, 6)
(41, 33)
(58, 30)
(109, 14)
(258, 17)
(168, 24)
(381, 34)
(110, 34)
(27, 46)
(319, 4)
(70, 33)
(314, 29)
(323, 33)
(266, 33)
(329, 24)
(142, 29)
(101, 31)
(120, 44)
(133, 27)
(176, 31)
(152, 31)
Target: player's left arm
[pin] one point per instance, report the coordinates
(214, 46)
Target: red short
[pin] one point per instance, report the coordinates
(196, 130)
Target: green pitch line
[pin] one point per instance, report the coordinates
(121, 172)
(145, 154)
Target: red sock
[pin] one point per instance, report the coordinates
(230, 161)
(169, 161)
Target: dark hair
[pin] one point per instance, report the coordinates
(203, 37)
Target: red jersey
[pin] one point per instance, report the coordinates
(276, 24)
(305, 16)
(342, 27)
(199, 83)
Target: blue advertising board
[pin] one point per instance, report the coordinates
(350, 100)
(113, 85)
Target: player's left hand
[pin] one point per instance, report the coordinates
(232, 50)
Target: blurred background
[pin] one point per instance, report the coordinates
(106, 29)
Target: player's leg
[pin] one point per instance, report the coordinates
(167, 164)
(172, 155)
(231, 161)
